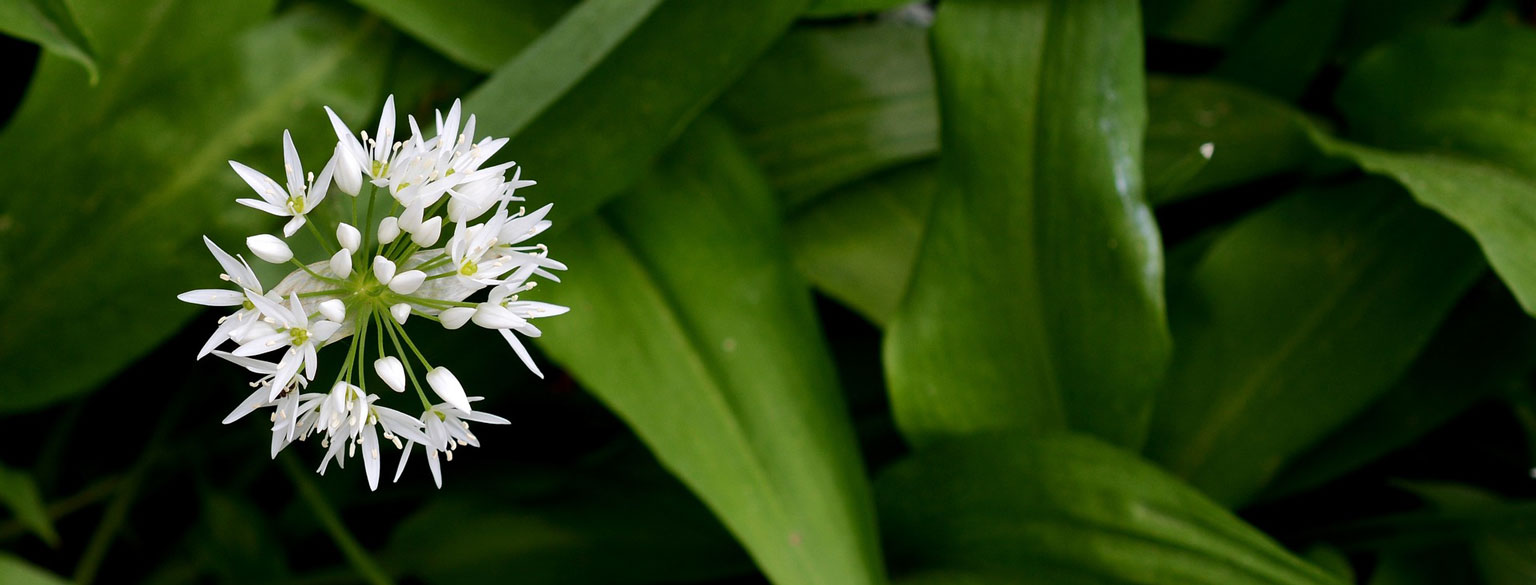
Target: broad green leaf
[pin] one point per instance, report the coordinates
(1067, 509)
(1459, 128)
(15, 571)
(688, 321)
(1504, 557)
(1368, 23)
(18, 493)
(94, 251)
(1204, 22)
(1424, 567)
(828, 105)
(478, 34)
(1285, 51)
(1042, 260)
(602, 526)
(592, 103)
(49, 23)
(1250, 136)
(1295, 320)
(1485, 348)
(836, 8)
(236, 542)
(858, 245)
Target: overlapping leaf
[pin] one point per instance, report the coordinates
(1447, 114)
(1066, 509)
(689, 323)
(51, 24)
(829, 105)
(1295, 320)
(111, 185)
(1036, 301)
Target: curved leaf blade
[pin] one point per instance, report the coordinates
(1067, 509)
(51, 24)
(689, 323)
(1042, 260)
(1295, 320)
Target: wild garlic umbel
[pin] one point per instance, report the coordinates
(391, 262)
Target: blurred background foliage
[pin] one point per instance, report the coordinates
(864, 291)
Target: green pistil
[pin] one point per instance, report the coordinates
(299, 335)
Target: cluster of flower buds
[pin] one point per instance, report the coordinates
(389, 264)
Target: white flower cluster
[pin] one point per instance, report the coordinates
(376, 278)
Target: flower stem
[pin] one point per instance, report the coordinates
(320, 238)
(410, 372)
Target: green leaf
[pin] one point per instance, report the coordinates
(1251, 137)
(1295, 320)
(51, 24)
(1203, 22)
(15, 571)
(688, 321)
(829, 105)
(553, 534)
(858, 245)
(592, 103)
(1486, 347)
(18, 493)
(1452, 105)
(93, 252)
(1067, 509)
(478, 34)
(235, 541)
(839, 8)
(1503, 558)
(1285, 51)
(1042, 260)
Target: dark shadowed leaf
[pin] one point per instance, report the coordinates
(1487, 347)
(1451, 109)
(18, 493)
(1295, 320)
(1250, 136)
(1285, 51)
(1202, 22)
(1066, 509)
(836, 8)
(1036, 301)
(688, 321)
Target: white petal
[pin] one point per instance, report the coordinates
(391, 371)
(321, 331)
(256, 400)
(291, 165)
(341, 263)
(349, 173)
(389, 229)
(334, 309)
(346, 141)
(268, 247)
(212, 297)
(386, 134)
(492, 316)
(401, 312)
(293, 225)
(404, 456)
(371, 456)
(455, 317)
(348, 236)
(383, 269)
(522, 352)
(262, 344)
(407, 282)
(447, 387)
(264, 186)
(428, 232)
(410, 219)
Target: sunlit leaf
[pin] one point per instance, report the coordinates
(1042, 260)
(51, 24)
(688, 321)
(828, 105)
(479, 34)
(15, 571)
(104, 211)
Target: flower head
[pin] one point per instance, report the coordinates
(374, 276)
